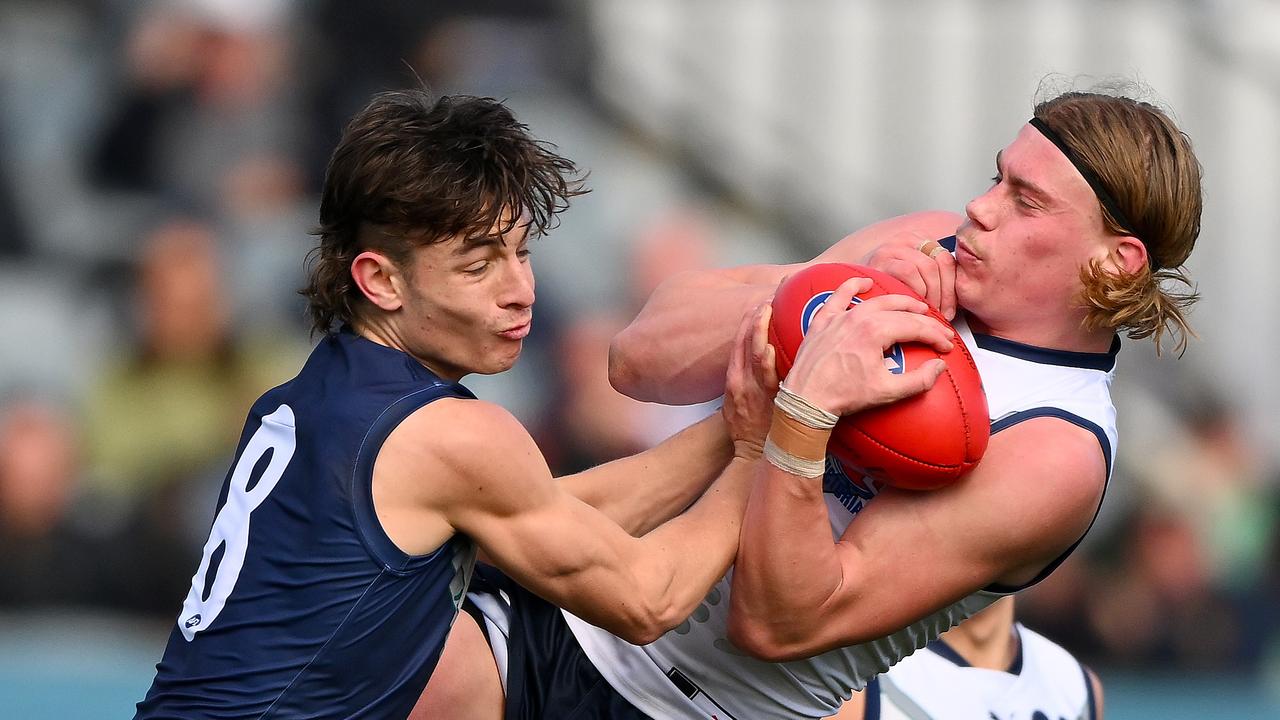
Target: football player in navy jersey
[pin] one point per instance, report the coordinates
(1094, 209)
(347, 528)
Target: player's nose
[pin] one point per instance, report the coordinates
(517, 287)
(982, 210)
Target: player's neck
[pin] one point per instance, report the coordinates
(1069, 336)
(987, 640)
(385, 334)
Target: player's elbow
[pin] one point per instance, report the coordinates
(761, 640)
(642, 634)
(645, 624)
(633, 368)
(622, 364)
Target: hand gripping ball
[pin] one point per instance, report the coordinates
(922, 442)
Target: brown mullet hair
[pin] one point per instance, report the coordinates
(1149, 168)
(411, 170)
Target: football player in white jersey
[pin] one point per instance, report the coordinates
(986, 667)
(1094, 207)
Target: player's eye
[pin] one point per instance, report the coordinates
(476, 268)
(995, 179)
(524, 253)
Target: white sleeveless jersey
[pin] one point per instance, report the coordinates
(1045, 682)
(694, 671)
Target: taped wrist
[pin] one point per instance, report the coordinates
(797, 441)
(803, 411)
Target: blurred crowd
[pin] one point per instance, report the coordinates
(159, 164)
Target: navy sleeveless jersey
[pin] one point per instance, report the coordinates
(302, 606)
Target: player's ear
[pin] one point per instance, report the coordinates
(1129, 255)
(379, 280)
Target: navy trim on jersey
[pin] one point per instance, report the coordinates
(948, 653)
(1012, 419)
(383, 549)
(872, 694)
(1015, 667)
(1048, 356)
(948, 243)
(1088, 688)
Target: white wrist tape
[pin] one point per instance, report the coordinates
(788, 463)
(804, 411)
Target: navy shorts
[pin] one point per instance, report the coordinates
(548, 676)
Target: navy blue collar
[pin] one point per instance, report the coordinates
(946, 652)
(1047, 356)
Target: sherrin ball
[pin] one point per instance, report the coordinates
(923, 442)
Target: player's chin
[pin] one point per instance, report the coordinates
(504, 358)
(966, 289)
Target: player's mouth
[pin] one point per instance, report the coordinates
(517, 332)
(964, 251)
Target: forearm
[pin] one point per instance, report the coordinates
(686, 556)
(639, 588)
(677, 349)
(643, 491)
(787, 567)
(909, 230)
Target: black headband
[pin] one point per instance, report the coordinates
(1094, 181)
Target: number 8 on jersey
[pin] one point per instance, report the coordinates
(231, 526)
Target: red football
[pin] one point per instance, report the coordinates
(923, 442)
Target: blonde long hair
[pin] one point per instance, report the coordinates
(1150, 170)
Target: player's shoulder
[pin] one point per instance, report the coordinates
(1057, 447)
(1049, 461)
(1050, 474)
(464, 425)
(464, 436)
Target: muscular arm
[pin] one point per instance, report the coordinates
(676, 349)
(492, 484)
(468, 466)
(642, 491)
(797, 593)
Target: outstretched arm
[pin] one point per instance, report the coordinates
(677, 348)
(640, 492)
(485, 478)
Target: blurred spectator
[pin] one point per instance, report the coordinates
(169, 411)
(1219, 483)
(679, 240)
(589, 422)
(58, 546)
(205, 92)
(379, 44)
(46, 558)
